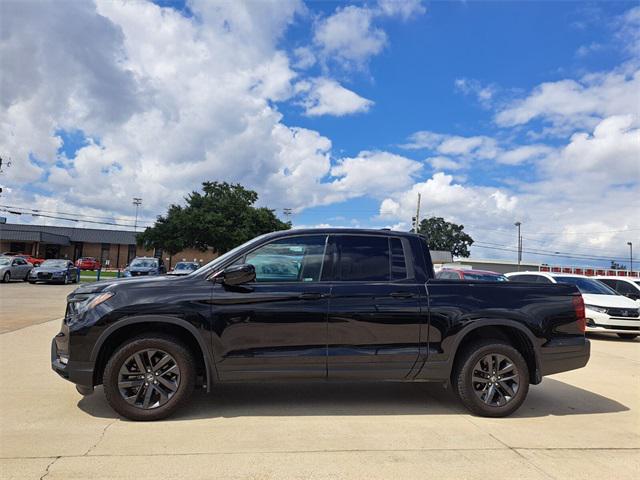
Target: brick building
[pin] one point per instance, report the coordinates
(114, 248)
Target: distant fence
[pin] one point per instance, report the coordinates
(589, 271)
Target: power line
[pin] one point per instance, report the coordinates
(547, 253)
(76, 220)
(108, 217)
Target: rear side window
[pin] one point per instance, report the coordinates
(398, 261)
(365, 259)
(526, 278)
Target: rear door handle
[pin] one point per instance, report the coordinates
(402, 294)
(311, 296)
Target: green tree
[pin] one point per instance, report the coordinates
(221, 217)
(447, 236)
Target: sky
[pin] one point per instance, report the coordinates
(495, 112)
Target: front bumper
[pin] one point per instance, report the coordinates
(562, 355)
(80, 373)
(603, 323)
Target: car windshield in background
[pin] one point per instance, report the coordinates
(144, 263)
(588, 286)
(5, 261)
(186, 266)
(485, 277)
(54, 263)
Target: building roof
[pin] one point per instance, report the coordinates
(64, 235)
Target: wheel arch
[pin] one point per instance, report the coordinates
(116, 334)
(508, 330)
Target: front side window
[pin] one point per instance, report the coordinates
(294, 259)
(364, 259)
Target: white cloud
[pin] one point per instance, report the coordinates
(324, 96)
(483, 93)
(477, 147)
(524, 153)
(570, 104)
(402, 8)
(349, 36)
(444, 163)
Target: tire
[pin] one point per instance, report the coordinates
(32, 282)
(124, 360)
(475, 395)
(627, 336)
(6, 278)
(66, 279)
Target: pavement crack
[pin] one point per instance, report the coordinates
(104, 431)
(46, 472)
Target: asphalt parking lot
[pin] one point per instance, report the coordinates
(580, 424)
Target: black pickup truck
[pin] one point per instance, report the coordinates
(317, 304)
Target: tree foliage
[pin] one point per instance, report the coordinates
(222, 217)
(447, 236)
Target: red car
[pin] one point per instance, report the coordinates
(88, 263)
(32, 260)
(464, 274)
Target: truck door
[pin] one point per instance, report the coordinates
(374, 309)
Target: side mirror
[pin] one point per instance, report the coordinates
(237, 274)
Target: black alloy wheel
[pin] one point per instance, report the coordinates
(491, 378)
(149, 377)
(495, 380)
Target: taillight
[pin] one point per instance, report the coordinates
(578, 307)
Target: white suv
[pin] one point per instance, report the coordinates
(607, 311)
(627, 286)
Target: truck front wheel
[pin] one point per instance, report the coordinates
(149, 377)
(491, 378)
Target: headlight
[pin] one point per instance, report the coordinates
(596, 308)
(82, 303)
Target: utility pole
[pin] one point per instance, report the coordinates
(630, 256)
(518, 224)
(137, 202)
(287, 213)
(416, 219)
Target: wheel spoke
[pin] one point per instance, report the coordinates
(172, 386)
(475, 378)
(139, 363)
(163, 361)
(172, 369)
(147, 396)
(489, 394)
(130, 383)
(507, 389)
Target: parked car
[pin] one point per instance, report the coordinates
(462, 274)
(606, 310)
(88, 263)
(14, 268)
(143, 266)
(184, 268)
(55, 271)
(32, 260)
(627, 286)
(363, 304)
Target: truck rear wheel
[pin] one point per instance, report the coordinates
(149, 377)
(491, 378)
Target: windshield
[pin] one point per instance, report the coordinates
(144, 263)
(54, 263)
(5, 261)
(185, 266)
(587, 285)
(485, 277)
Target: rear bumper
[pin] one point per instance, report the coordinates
(80, 373)
(564, 355)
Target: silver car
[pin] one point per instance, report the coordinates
(14, 268)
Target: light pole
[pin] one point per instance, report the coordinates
(518, 224)
(630, 256)
(137, 202)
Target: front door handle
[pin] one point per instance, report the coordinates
(402, 294)
(311, 296)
